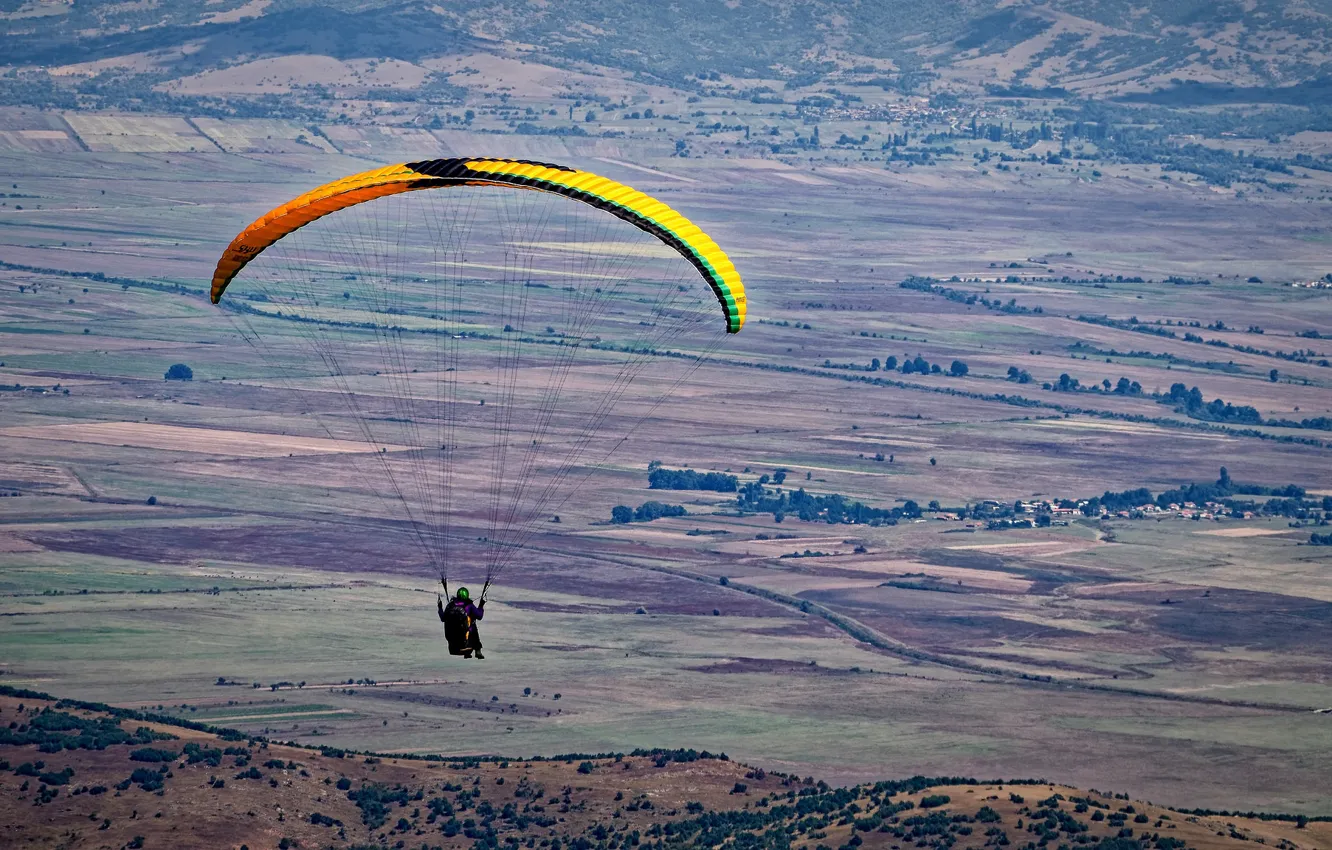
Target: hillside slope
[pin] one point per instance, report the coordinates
(75, 775)
(1096, 46)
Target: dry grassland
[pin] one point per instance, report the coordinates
(178, 439)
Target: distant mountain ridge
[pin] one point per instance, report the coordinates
(1089, 46)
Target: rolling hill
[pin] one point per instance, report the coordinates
(76, 775)
(1092, 47)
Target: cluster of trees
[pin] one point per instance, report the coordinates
(661, 478)
(1190, 402)
(812, 808)
(646, 512)
(832, 508)
(1129, 324)
(1142, 354)
(376, 801)
(930, 285)
(1316, 539)
(1133, 324)
(53, 731)
(1320, 423)
(908, 365)
(1018, 376)
(1069, 384)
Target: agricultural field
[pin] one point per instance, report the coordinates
(217, 549)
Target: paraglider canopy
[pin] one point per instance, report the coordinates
(640, 210)
(491, 348)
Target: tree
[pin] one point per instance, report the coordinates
(1224, 480)
(1273, 375)
(179, 372)
(779, 476)
(649, 511)
(687, 479)
(621, 514)
(874, 365)
(958, 369)
(933, 462)
(890, 365)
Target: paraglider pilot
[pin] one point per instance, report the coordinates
(460, 617)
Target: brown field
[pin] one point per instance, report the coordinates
(175, 438)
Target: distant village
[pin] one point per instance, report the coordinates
(1038, 514)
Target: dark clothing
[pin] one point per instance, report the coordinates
(459, 619)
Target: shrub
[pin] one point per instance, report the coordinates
(151, 755)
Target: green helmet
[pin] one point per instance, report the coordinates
(463, 594)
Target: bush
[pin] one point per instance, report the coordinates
(934, 801)
(57, 778)
(148, 780)
(151, 755)
(179, 372)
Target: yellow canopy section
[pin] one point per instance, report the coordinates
(642, 211)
